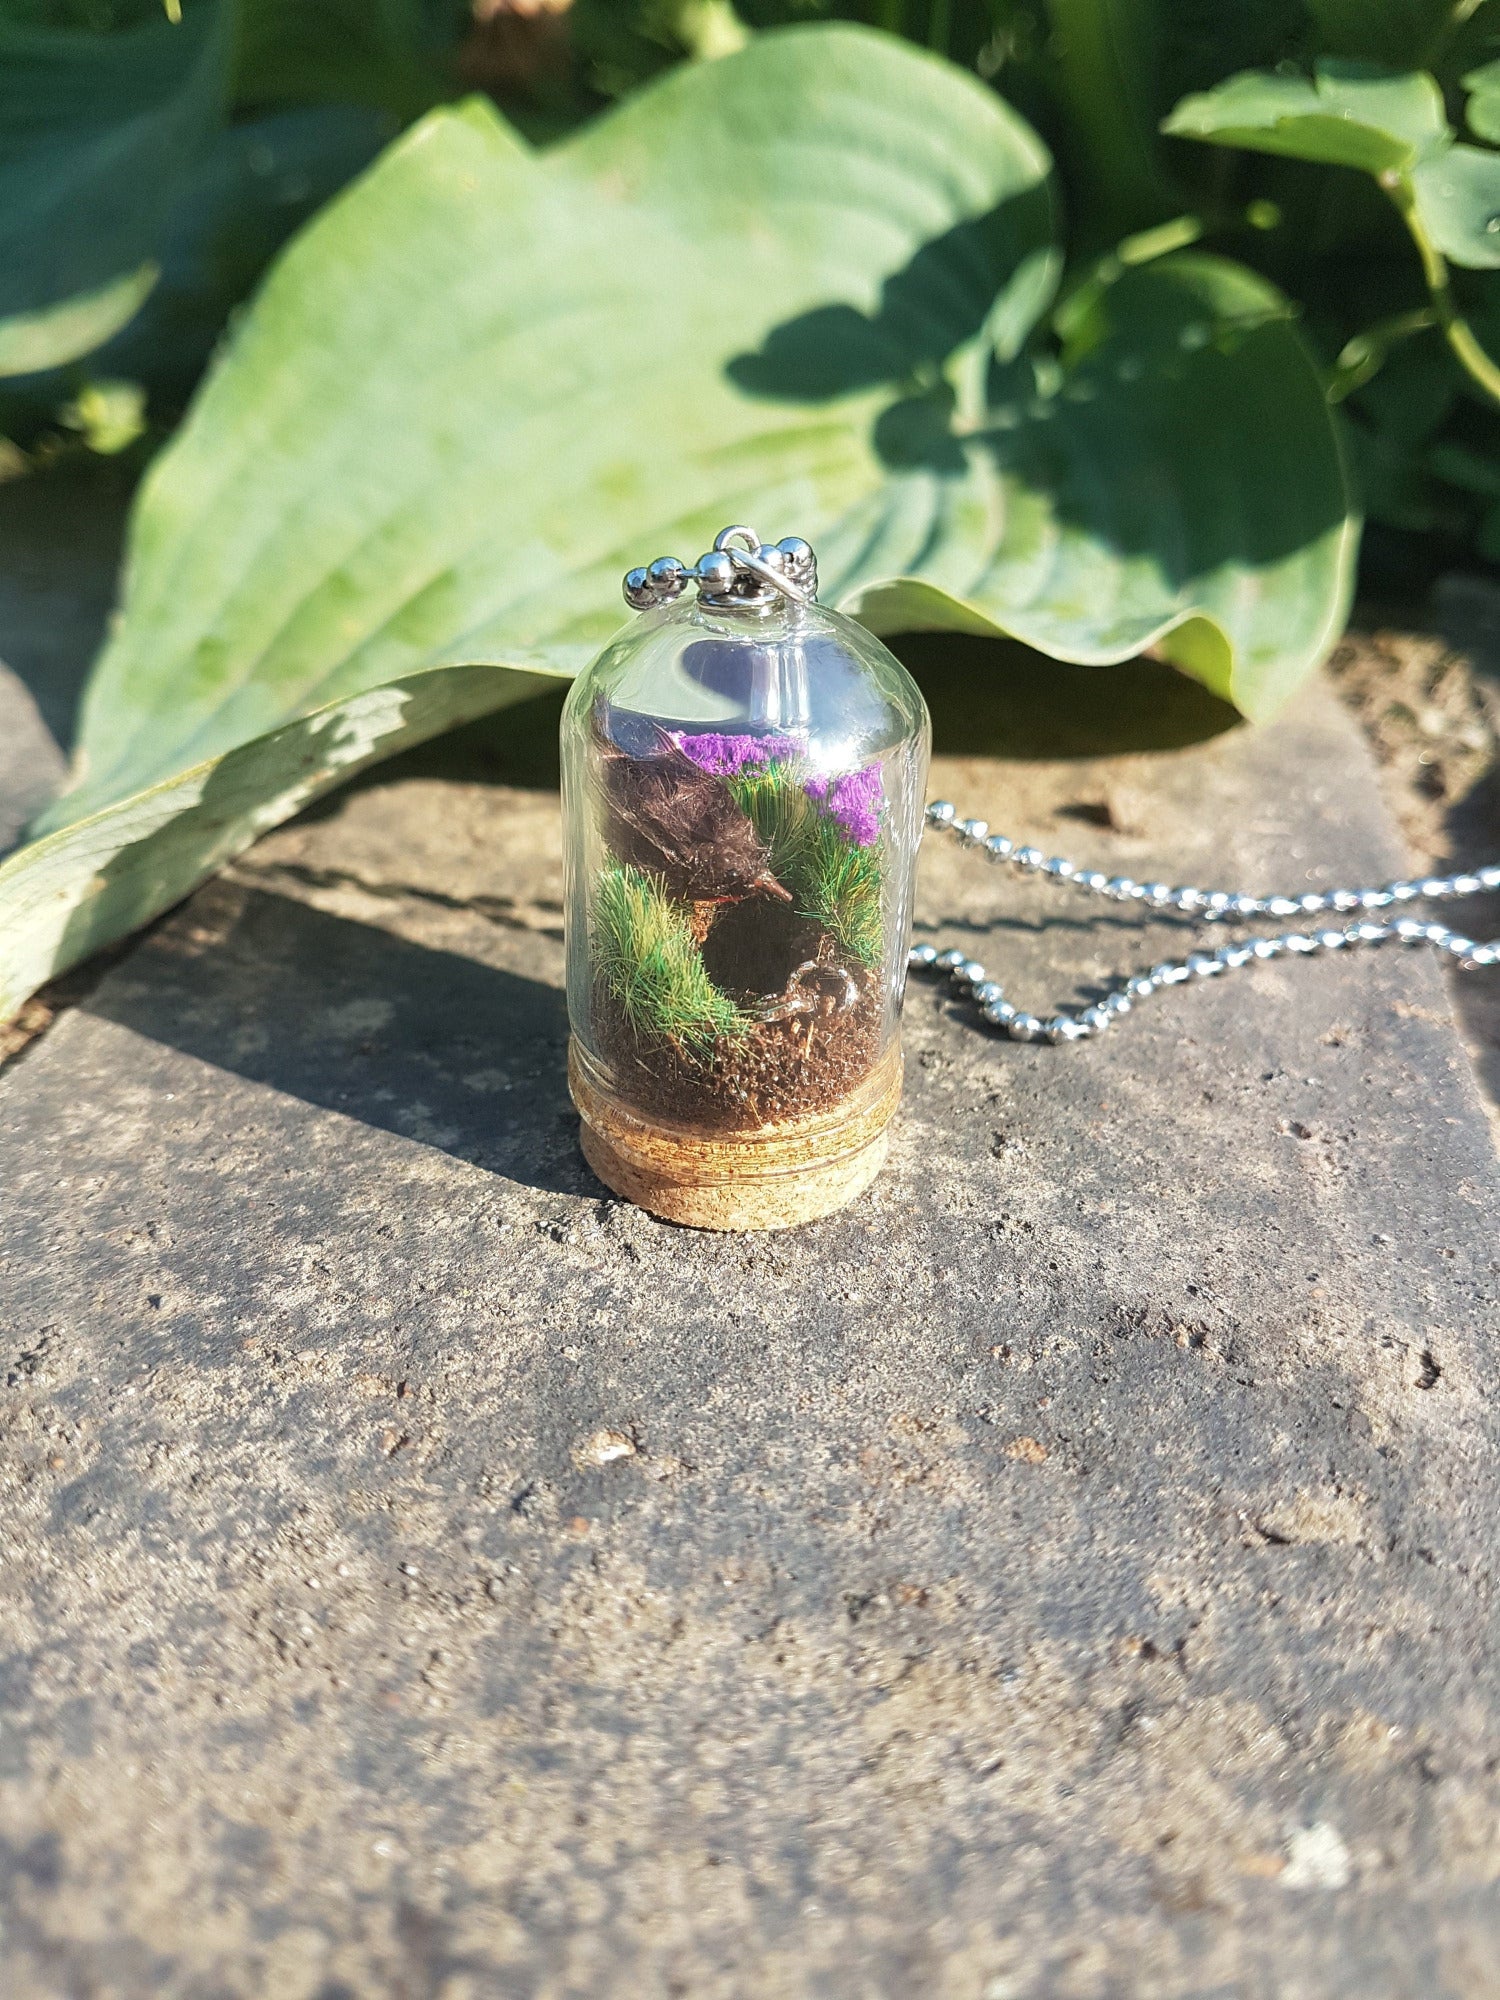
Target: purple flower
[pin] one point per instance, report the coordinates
(854, 801)
(727, 756)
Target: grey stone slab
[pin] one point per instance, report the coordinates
(1068, 1572)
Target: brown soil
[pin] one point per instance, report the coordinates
(781, 1069)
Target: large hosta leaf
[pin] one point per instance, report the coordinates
(1144, 493)
(103, 876)
(98, 134)
(486, 381)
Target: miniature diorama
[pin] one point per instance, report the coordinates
(743, 776)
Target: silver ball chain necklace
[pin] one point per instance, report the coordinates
(969, 980)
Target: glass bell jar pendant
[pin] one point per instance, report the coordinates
(743, 781)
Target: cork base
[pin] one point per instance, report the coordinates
(789, 1172)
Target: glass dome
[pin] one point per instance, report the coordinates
(743, 781)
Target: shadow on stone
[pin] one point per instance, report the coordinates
(458, 1055)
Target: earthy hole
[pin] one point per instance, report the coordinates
(753, 947)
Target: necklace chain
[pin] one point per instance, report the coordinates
(969, 979)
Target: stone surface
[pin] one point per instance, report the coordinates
(1068, 1572)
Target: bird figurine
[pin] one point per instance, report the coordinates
(667, 814)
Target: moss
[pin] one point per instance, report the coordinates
(645, 949)
(836, 883)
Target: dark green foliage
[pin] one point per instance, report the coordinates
(1098, 76)
(645, 950)
(835, 883)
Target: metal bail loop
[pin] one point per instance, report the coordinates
(739, 573)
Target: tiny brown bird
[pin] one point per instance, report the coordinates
(665, 814)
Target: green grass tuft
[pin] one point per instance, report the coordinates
(652, 964)
(836, 884)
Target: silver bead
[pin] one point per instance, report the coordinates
(773, 556)
(1157, 894)
(637, 588)
(1028, 857)
(948, 961)
(969, 973)
(1158, 975)
(1059, 869)
(942, 812)
(1331, 940)
(1281, 906)
(1092, 879)
(1461, 947)
(1299, 942)
(1482, 954)
(799, 554)
(1311, 903)
(1062, 1028)
(1489, 878)
(1176, 975)
(1375, 899)
(1344, 899)
(1465, 885)
(1437, 933)
(1233, 956)
(1369, 933)
(922, 957)
(1435, 887)
(1141, 987)
(1245, 906)
(1267, 947)
(1116, 1003)
(1096, 1019)
(715, 573)
(1216, 902)
(986, 992)
(999, 1013)
(972, 831)
(1404, 892)
(1120, 887)
(1203, 965)
(1025, 1028)
(1410, 931)
(999, 848)
(1187, 899)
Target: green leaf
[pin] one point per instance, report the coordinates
(1458, 205)
(1106, 55)
(1176, 485)
(55, 335)
(1483, 86)
(1346, 115)
(485, 378)
(97, 134)
(69, 894)
(485, 381)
